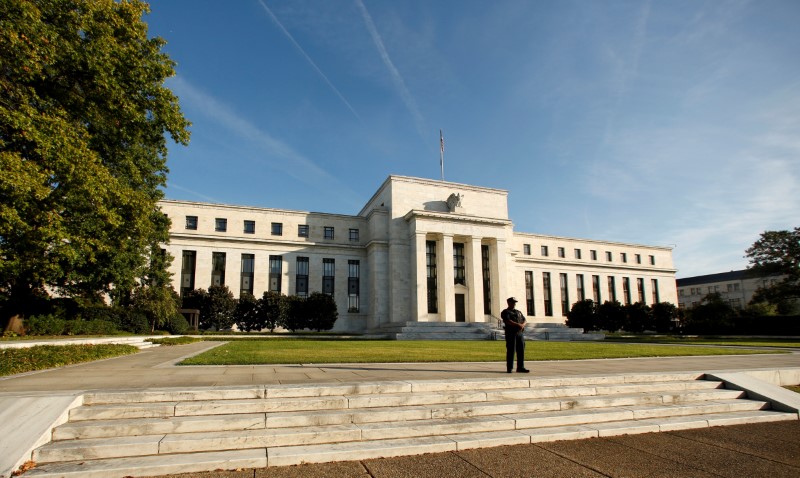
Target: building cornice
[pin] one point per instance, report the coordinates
(256, 240)
(591, 241)
(591, 265)
(454, 217)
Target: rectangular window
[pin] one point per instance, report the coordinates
(612, 289)
(564, 294)
(430, 266)
(623, 256)
(459, 268)
(275, 271)
(638, 258)
(220, 224)
(187, 271)
(730, 287)
(652, 260)
(302, 230)
(561, 252)
(352, 285)
(218, 268)
(640, 289)
(626, 290)
(596, 289)
(548, 300)
(277, 229)
(735, 286)
(328, 232)
(531, 310)
(579, 284)
(249, 227)
(544, 251)
(248, 272)
(191, 222)
(593, 254)
(487, 291)
(353, 235)
(609, 256)
(654, 286)
(328, 271)
(526, 249)
(301, 277)
(577, 253)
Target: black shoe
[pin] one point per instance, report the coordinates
(523, 370)
(509, 371)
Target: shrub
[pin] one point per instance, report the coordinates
(582, 315)
(177, 325)
(638, 318)
(272, 310)
(90, 327)
(45, 325)
(296, 313)
(322, 312)
(246, 313)
(665, 317)
(713, 316)
(130, 321)
(610, 316)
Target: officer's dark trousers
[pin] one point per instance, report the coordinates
(515, 342)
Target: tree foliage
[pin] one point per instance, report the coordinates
(322, 312)
(610, 316)
(665, 316)
(638, 318)
(714, 315)
(583, 315)
(777, 253)
(84, 116)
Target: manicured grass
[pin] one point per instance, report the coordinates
(296, 351)
(182, 340)
(794, 388)
(13, 361)
(728, 341)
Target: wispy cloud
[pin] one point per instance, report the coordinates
(275, 152)
(397, 79)
(172, 185)
(308, 59)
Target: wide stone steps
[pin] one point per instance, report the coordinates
(151, 432)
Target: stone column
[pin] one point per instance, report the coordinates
(444, 266)
(419, 297)
(499, 265)
(474, 279)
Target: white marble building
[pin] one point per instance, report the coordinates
(419, 250)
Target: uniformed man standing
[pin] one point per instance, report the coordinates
(514, 325)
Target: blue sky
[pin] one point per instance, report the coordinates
(654, 122)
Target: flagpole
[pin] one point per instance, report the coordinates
(441, 153)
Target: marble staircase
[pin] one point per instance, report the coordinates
(162, 431)
(477, 331)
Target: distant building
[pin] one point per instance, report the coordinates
(419, 251)
(737, 287)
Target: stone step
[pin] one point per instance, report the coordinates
(265, 456)
(375, 400)
(254, 421)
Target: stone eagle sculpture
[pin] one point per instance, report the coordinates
(454, 201)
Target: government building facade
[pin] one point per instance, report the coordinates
(420, 250)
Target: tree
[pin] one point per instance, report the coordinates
(777, 253)
(219, 308)
(322, 312)
(159, 303)
(296, 313)
(583, 315)
(610, 316)
(246, 313)
(84, 116)
(272, 310)
(638, 318)
(665, 314)
(714, 315)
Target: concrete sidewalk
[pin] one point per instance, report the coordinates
(156, 367)
(750, 450)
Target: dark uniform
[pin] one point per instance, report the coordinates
(515, 338)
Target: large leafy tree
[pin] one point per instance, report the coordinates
(777, 253)
(84, 116)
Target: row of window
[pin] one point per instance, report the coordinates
(597, 295)
(578, 253)
(218, 268)
(735, 303)
(709, 289)
(276, 228)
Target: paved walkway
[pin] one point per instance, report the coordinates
(763, 450)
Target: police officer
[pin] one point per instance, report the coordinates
(514, 323)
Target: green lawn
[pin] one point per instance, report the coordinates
(13, 361)
(732, 341)
(295, 351)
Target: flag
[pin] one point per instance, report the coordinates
(441, 142)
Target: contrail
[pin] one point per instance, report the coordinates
(308, 58)
(398, 80)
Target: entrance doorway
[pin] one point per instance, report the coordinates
(461, 309)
